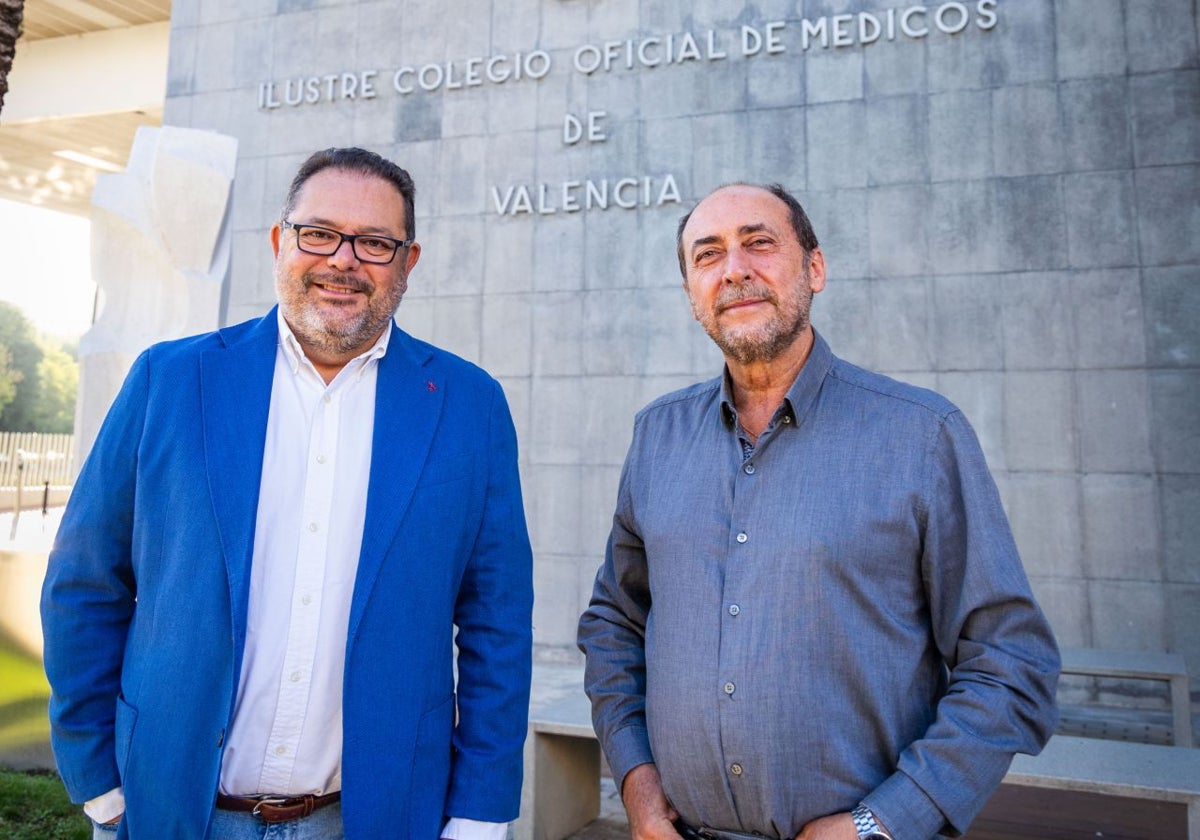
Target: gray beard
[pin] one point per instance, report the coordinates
(338, 339)
(760, 346)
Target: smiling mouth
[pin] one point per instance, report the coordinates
(341, 290)
(343, 287)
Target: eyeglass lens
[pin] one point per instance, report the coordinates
(322, 241)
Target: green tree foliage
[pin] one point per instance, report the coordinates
(38, 378)
(17, 336)
(10, 377)
(58, 381)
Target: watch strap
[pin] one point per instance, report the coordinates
(866, 825)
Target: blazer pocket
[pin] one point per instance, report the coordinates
(431, 770)
(123, 732)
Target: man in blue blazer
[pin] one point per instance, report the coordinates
(285, 530)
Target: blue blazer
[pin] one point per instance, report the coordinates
(145, 599)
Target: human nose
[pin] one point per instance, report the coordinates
(737, 266)
(343, 256)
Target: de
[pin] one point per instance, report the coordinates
(573, 128)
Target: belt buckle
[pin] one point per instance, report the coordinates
(265, 809)
(709, 833)
(269, 801)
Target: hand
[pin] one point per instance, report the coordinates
(833, 827)
(650, 814)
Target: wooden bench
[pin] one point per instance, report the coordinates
(562, 764)
(1165, 667)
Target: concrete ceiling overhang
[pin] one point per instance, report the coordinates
(87, 73)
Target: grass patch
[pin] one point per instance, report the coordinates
(20, 675)
(34, 806)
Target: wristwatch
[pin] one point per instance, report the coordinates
(866, 826)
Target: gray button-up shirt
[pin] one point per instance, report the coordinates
(840, 615)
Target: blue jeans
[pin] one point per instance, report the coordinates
(325, 824)
(100, 831)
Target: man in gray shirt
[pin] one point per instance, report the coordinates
(811, 620)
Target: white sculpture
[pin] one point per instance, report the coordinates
(160, 258)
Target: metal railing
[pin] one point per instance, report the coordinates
(31, 459)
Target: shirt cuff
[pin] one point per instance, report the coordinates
(460, 828)
(627, 748)
(905, 809)
(106, 807)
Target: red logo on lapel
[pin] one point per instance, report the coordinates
(430, 385)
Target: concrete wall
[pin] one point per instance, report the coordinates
(21, 575)
(1009, 215)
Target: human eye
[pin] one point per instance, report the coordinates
(315, 236)
(704, 256)
(375, 245)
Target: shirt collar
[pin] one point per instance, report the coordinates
(800, 396)
(294, 353)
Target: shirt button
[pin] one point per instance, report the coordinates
(306, 600)
(729, 688)
(312, 526)
(281, 750)
(734, 609)
(735, 769)
(787, 419)
(748, 469)
(742, 537)
(295, 676)
(328, 399)
(320, 459)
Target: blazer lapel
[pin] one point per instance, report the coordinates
(235, 398)
(408, 405)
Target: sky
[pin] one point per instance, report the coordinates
(46, 271)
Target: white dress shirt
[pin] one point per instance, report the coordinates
(286, 733)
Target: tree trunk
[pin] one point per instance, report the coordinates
(11, 13)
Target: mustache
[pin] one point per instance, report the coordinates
(331, 278)
(736, 294)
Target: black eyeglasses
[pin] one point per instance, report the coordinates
(367, 247)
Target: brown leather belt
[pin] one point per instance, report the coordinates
(275, 809)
